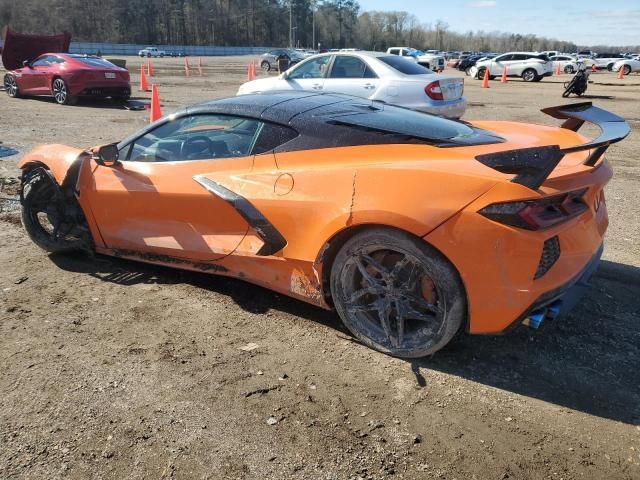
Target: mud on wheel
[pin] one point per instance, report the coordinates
(397, 294)
(52, 219)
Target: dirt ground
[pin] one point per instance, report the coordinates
(112, 369)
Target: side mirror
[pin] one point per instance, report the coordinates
(106, 155)
(284, 76)
(26, 63)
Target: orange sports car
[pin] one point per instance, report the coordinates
(413, 227)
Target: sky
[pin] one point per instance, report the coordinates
(585, 22)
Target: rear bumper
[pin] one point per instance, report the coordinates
(444, 108)
(561, 300)
(101, 89)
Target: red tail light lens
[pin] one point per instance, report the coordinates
(434, 91)
(538, 214)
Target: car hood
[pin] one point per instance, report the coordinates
(19, 47)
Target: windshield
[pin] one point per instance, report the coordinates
(402, 65)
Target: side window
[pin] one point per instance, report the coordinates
(520, 57)
(394, 51)
(272, 136)
(42, 61)
(316, 68)
(349, 67)
(504, 58)
(196, 137)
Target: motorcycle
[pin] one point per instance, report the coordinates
(578, 84)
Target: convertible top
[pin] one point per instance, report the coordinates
(19, 47)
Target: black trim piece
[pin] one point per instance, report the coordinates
(532, 166)
(272, 238)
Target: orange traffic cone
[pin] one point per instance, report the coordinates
(593, 68)
(186, 66)
(485, 80)
(144, 86)
(558, 68)
(156, 112)
(249, 72)
(150, 68)
(620, 72)
(504, 75)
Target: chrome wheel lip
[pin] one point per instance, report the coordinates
(59, 91)
(401, 331)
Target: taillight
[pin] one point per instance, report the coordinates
(434, 91)
(538, 214)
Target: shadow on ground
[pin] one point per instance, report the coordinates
(587, 361)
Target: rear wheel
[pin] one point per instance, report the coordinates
(569, 69)
(11, 86)
(529, 75)
(61, 94)
(610, 67)
(397, 294)
(45, 216)
(627, 69)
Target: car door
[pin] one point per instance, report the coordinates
(498, 64)
(31, 76)
(42, 74)
(150, 202)
(352, 76)
(519, 63)
(308, 75)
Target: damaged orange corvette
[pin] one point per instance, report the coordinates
(413, 227)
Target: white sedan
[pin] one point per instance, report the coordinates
(629, 65)
(376, 76)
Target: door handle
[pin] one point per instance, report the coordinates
(316, 86)
(369, 86)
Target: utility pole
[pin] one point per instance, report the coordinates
(290, 23)
(313, 24)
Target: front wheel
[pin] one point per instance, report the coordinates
(266, 66)
(529, 75)
(11, 86)
(45, 217)
(627, 69)
(397, 294)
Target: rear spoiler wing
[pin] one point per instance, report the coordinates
(532, 166)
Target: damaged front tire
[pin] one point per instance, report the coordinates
(53, 221)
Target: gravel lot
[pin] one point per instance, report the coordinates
(113, 369)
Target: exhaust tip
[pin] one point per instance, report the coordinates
(535, 318)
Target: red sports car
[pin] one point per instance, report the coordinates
(68, 76)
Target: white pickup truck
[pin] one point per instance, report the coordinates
(151, 52)
(429, 60)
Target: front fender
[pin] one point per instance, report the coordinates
(57, 158)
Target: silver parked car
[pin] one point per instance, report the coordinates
(269, 60)
(376, 76)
